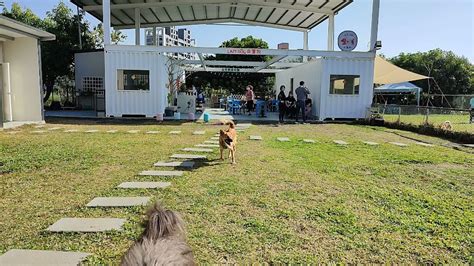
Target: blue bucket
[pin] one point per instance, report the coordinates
(207, 117)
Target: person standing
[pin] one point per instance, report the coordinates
(301, 95)
(250, 97)
(281, 104)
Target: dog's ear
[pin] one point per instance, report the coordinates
(222, 132)
(162, 223)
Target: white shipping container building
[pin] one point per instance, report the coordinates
(135, 76)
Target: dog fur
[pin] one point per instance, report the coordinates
(446, 125)
(162, 243)
(228, 140)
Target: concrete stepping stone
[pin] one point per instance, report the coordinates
(40, 126)
(207, 145)
(340, 142)
(399, 144)
(284, 139)
(144, 185)
(118, 201)
(199, 132)
(87, 225)
(185, 164)
(243, 125)
(197, 150)
(255, 138)
(370, 143)
(38, 132)
(92, 131)
(54, 128)
(153, 132)
(112, 131)
(215, 138)
(309, 141)
(188, 156)
(211, 142)
(27, 257)
(217, 135)
(161, 173)
(175, 132)
(469, 145)
(71, 131)
(424, 144)
(133, 131)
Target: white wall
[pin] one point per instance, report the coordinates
(23, 56)
(347, 106)
(89, 64)
(147, 103)
(310, 73)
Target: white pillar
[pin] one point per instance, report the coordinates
(331, 33)
(106, 21)
(154, 36)
(375, 24)
(137, 26)
(305, 44)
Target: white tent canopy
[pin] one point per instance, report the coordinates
(388, 73)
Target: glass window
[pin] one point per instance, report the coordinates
(133, 80)
(344, 84)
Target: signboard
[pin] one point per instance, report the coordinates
(244, 51)
(347, 40)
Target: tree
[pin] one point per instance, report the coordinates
(98, 36)
(247, 42)
(454, 74)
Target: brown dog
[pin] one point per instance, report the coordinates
(228, 140)
(162, 243)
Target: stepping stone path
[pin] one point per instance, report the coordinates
(87, 225)
(424, 144)
(283, 139)
(309, 141)
(399, 144)
(188, 156)
(40, 126)
(41, 257)
(211, 142)
(161, 173)
(175, 132)
(38, 132)
(340, 142)
(71, 131)
(133, 131)
(370, 143)
(153, 132)
(197, 150)
(144, 185)
(54, 128)
(92, 131)
(112, 131)
(186, 164)
(255, 137)
(118, 201)
(215, 138)
(199, 132)
(207, 145)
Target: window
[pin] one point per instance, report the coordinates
(92, 84)
(133, 80)
(344, 84)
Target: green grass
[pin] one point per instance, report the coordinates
(459, 122)
(282, 202)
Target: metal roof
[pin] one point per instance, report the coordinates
(300, 15)
(11, 29)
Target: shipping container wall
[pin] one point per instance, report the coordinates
(121, 102)
(335, 106)
(310, 73)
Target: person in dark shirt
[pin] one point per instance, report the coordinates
(281, 104)
(290, 105)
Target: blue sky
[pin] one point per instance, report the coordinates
(404, 26)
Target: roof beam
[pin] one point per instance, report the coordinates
(240, 63)
(271, 62)
(203, 63)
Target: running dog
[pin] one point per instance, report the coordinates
(446, 126)
(228, 140)
(162, 243)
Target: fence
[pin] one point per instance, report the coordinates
(419, 115)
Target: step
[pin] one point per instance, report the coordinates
(211, 142)
(188, 156)
(144, 185)
(284, 139)
(197, 150)
(399, 144)
(153, 132)
(309, 141)
(370, 143)
(161, 173)
(118, 201)
(255, 138)
(87, 225)
(207, 145)
(42, 257)
(175, 132)
(340, 142)
(199, 132)
(133, 131)
(186, 164)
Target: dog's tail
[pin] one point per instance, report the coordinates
(162, 223)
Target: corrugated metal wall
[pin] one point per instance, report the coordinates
(347, 106)
(149, 103)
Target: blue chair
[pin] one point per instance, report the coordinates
(275, 105)
(235, 107)
(260, 108)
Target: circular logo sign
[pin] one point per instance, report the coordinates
(347, 40)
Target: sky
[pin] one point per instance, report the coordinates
(404, 26)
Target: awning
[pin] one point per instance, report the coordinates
(11, 29)
(388, 73)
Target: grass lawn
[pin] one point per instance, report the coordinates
(460, 122)
(282, 202)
